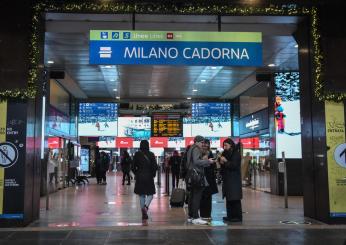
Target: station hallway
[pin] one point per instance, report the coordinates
(98, 214)
(116, 205)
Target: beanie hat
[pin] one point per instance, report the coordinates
(198, 138)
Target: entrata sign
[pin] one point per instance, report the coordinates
(124, 142)
(109, 47)
(161, 142)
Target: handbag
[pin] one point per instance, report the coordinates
(195, 178)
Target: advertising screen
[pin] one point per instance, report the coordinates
(254, 122)
(98, 119)
(211, 119)
(176, 142)
(58, 123)
(135, 127)
(106, 142)
(84, 160)
(167, 125)
(187, 127)
(287, 115)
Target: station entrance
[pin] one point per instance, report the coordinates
(101, 102)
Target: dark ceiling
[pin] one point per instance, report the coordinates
(66, 43)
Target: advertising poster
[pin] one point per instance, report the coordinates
(84, 159)
(98, 119)
(287, 115)
(135, 127)
(12, 159)
(211, 119)
(336, 158)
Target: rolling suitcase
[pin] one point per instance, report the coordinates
(178, 197)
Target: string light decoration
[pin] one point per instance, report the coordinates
(110, 7)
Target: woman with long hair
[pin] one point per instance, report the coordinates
(144, 168)
(232, 187)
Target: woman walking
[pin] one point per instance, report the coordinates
(144, 168)
(231, 187)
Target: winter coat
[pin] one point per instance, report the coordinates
(231, 176)
(104, 163)
(211, 178)
(145, 172)
(195, 161)
(126, 164)
(174, 163)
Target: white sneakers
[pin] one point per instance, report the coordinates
(199, 221)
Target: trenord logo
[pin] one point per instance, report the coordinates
(105, 52)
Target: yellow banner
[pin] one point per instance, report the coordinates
(336, 157)
(3, 120)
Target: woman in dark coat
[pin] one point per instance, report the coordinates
(232, 188)
(145, 168)
(211, 189)
(126, 167)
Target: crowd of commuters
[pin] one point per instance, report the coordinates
(197, 167)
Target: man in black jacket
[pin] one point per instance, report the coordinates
(174, 163)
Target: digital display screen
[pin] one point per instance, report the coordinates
(287, 115)
(135, 127)
(106, 142)
(84, 160)
(58, 123)
(211, 119)
(187, 126)
(167, 125)
(98, 119)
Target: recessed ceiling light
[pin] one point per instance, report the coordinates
(112, 80)
(194, 90)
(189, 98)
(108, 66)
(271, 65)
(50, 62)
(115, 89)
(118, 98)
(203, 80)
(296, 46)
(213, 67)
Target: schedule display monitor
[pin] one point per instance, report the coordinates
(98, 119)
(211, 119)
(167, 125)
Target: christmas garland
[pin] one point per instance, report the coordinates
(164, 8)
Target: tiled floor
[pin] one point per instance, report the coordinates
(98, 215)
(116, 205)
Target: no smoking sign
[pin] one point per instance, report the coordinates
(8, 154)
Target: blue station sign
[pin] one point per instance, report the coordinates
(109, 47)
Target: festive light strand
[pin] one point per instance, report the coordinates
(159, 8)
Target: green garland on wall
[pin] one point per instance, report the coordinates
(145, 8)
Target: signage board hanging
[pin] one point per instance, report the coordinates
(124, 47)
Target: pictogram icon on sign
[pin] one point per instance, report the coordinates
(8, 154)
(340, 155)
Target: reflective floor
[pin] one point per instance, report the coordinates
(97, 215)
(116, 205)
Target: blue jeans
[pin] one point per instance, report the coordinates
(145, 200)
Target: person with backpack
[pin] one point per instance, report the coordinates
(174, 163)
(144, 168)
(231, 186)
(196, 179)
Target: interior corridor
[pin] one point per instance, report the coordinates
(116, 205)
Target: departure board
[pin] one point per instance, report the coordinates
(167, 125)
